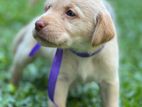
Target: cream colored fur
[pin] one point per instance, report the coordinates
(88, 30)
(91, 28)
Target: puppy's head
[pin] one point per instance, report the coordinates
(74, 23)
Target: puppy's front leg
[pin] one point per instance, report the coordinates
(67, 75)
(61, 92)
(109, 93)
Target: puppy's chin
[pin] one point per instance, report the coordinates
(47, 43)
(44, 42)
(62, 41)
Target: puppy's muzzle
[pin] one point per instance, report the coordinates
(39, 25)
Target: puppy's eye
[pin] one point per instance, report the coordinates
(47, 8)
(70, 13)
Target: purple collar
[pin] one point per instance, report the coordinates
(56, 64)
(87, 54)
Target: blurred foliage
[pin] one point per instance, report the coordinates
(32, 91)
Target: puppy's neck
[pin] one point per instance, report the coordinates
(90, 50)
(87, 54)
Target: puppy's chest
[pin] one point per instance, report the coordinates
(86, 70)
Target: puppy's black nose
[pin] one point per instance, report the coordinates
(39, 25)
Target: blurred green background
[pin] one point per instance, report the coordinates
(32, 92)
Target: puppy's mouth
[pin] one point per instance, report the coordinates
(43, 41)
(47, 43)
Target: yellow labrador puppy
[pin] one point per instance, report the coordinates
(82, 26)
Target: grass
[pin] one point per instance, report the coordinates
(130, 41)
(33, 92)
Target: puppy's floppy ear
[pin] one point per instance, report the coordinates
(104, 29)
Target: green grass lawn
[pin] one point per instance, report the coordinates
(32, 91)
